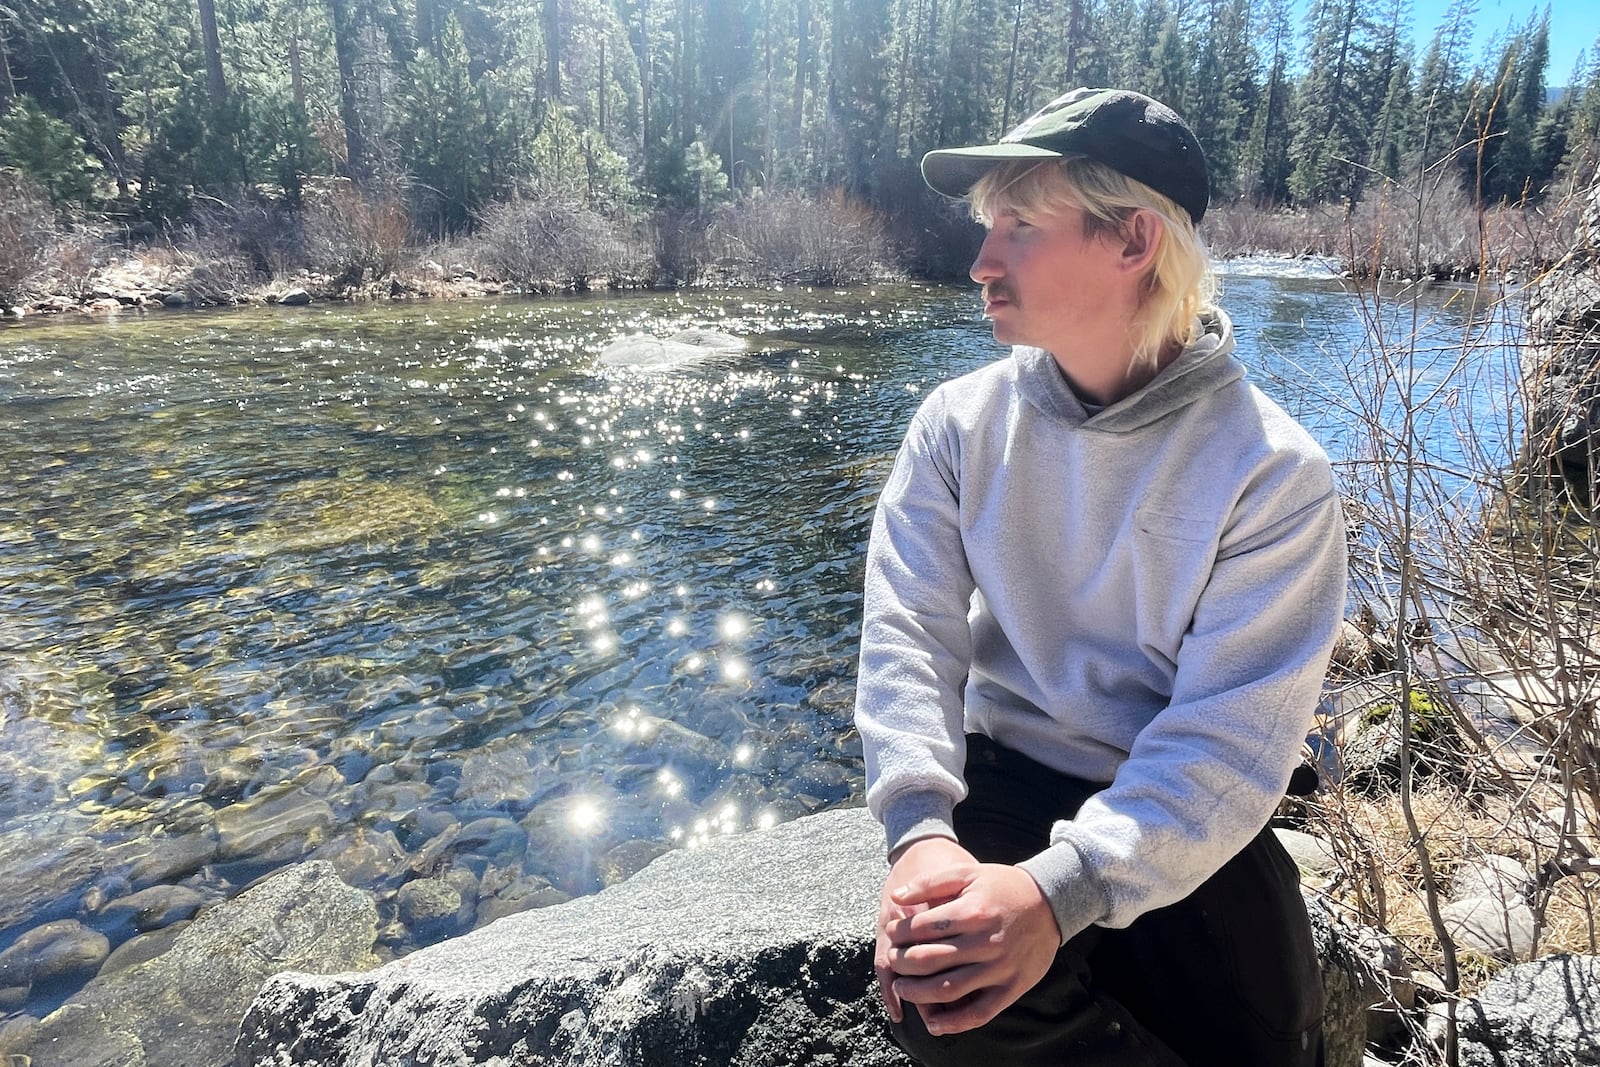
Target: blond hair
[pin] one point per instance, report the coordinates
(1181, 284)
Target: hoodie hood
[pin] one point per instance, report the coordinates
(1201, 369)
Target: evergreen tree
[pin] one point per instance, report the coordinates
(1331, 129)
(1265, 163)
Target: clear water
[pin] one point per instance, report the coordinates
(433, 578)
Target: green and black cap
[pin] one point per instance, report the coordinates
(1127, 131)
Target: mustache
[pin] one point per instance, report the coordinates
(999, 291)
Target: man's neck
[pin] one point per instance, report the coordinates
(1103, 382)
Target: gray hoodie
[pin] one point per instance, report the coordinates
(1145, 596)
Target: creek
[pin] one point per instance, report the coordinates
(428, 588)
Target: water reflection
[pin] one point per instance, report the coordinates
(421, 590)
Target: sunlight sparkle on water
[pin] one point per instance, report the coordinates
(587, 817)
(733, 626)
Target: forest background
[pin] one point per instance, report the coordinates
(579, 143)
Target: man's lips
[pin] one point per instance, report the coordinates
(995, 299)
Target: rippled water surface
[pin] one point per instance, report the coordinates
(429, 590)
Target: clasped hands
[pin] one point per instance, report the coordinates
(958, 939)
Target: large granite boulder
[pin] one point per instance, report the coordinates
(1547, 1011)
(182, 1007)
(753, 950)
(1561, 369)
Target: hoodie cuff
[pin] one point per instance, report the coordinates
(1075, 894)
(913, 816)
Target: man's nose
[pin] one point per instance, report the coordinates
(987, 267)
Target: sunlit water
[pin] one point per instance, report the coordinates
(426, 588)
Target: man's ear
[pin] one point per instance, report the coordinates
(1141, 236)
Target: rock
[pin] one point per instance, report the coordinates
(642, 352)
(1388, 989)
(686, 961)
(524, 893)
(1491, 927)
(181, 1008)
(1558, 372)
(61, 951)
(274, 825)
(628, 858)
(157, 906)
(1313, 855)
(1347, 982)
(296, 297)
(44, 877)
(1547, 1011)
(363, 857)
(1499, 878)
(177, 299)
(142, 947)
(76, 1036)
(697, 959)
(161, 860)
(428, 903)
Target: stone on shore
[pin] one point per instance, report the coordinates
(1547, 1011)
(752, 950)
(181, 1008)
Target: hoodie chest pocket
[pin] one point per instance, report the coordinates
(1172, 562)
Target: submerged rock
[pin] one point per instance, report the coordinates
(57, 952)
(643, 352)
(181, 1008)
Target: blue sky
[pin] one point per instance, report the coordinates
(1574, 25)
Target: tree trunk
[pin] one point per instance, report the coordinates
(802, 65)
(8, 88)
(346, 49)
(427, 28)
(1074, 30)
(601, 107)
(644, 83)
(297, 81)
(216, 84)
(1011, 66)
(552, 49)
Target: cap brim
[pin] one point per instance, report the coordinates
(954, 171)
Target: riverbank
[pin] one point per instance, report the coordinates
(347, 247)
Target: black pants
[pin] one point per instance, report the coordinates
(1227, 977)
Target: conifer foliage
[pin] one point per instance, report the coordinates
(455, 106)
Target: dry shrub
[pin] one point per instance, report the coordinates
(554, 243)
(1242, 229)
(30, 242)
(354, 236)
(1427, 229)
(268, 236)
(791, 238)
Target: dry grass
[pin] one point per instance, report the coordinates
(1382, 884)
